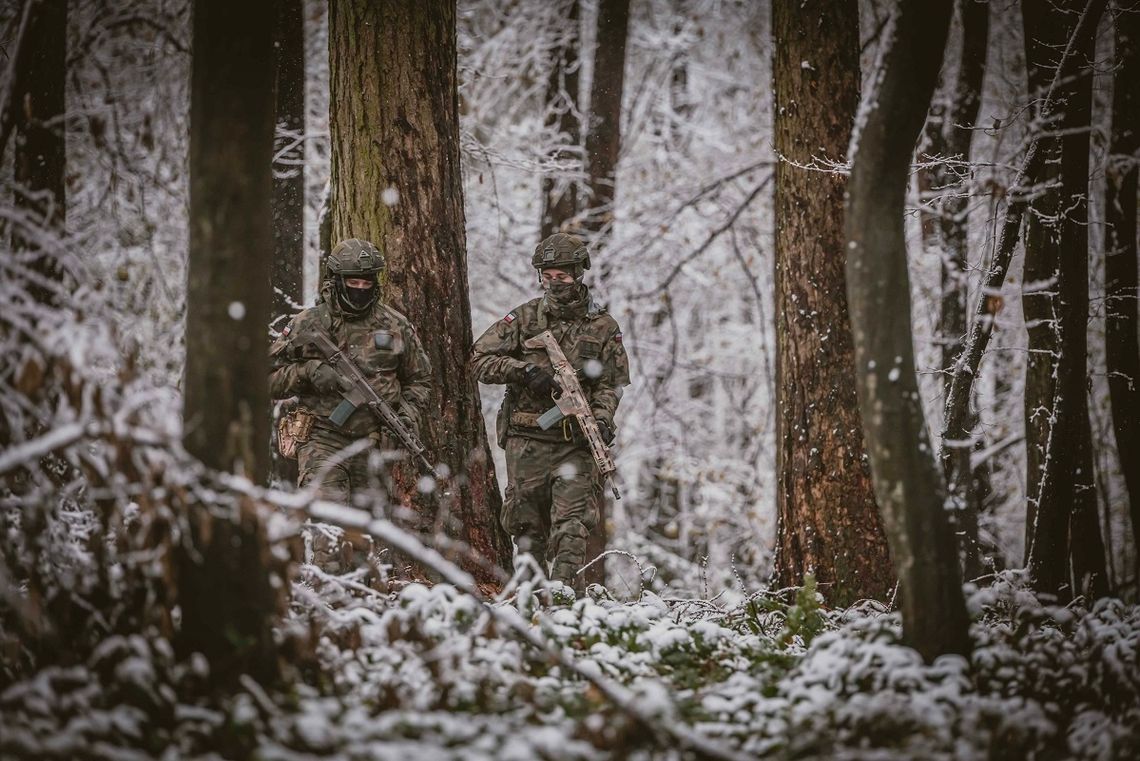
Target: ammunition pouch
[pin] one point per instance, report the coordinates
(293, 429)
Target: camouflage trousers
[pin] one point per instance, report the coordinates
(355, 480)
(551, 505)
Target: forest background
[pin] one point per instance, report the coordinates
(726, 489)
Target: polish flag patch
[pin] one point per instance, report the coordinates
(288, 329)
(511, 317)
(617, 337)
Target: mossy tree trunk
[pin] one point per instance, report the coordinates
(396, 181)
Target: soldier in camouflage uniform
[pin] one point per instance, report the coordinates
(553, 491)
(383, 345)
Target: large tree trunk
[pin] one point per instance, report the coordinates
(1065, 525)
(603, 138)
(949, 131)
(1123, 356)
(396, 181)
(224, 589)
(35, 115)
(908, 487)
(827, 522)
(560, 198)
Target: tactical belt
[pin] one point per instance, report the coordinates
(530, 420)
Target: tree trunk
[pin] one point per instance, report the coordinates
(288, 185)
(603, 138)
(908, 488)
(224, 589)
(827, 522)
(603, 143)
(1123, 357)
(1065, 526)
(289, 162)
(396, 181)
(36, 113)
(560, 199)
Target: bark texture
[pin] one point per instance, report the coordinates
(288, 184)
(224, 588)
(827, 521)
(396, 181)
(908, 486)
(289, 161)
(560, 198)
(1121, 258)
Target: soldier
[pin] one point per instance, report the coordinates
(383, 345)
(553, 489)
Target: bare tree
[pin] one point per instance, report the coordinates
(560, 199)
(396, 181)
(1123, 357)
(827, 522)
(945, 184)
(1062, 523)
(908, 487)
(224, 589)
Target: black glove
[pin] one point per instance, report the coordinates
(540, 381)
(606, 431)
(322, 377)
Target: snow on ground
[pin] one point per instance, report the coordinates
(427, 673)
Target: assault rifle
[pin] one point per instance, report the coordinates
(573, 402)
(360, 392)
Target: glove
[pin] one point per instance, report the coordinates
(539, 381)
(606, 431)
(322, 378)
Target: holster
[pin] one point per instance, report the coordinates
(294, 428)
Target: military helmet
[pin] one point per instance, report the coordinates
(355, 258)
(563, 251)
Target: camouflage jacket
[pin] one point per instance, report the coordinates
(383, 345)
(499, 357)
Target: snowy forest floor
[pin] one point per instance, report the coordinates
(429, 672)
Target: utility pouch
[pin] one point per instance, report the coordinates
(503, 421)
(293, 429)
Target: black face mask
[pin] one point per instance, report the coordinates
(356, 300)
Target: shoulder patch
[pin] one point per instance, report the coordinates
(288, 329)
(511, 317)
(617, 337)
